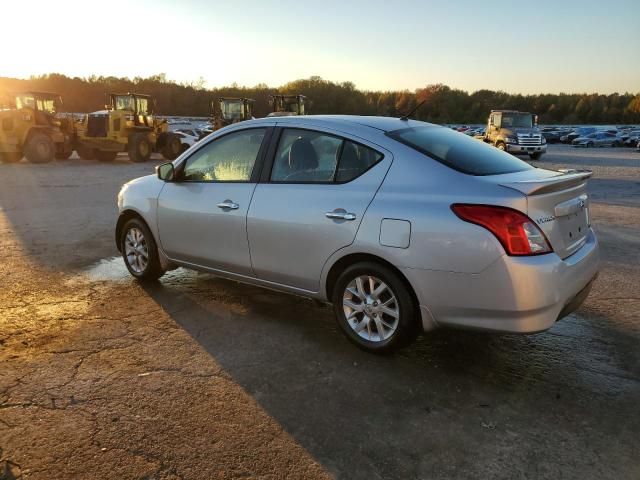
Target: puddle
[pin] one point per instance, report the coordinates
(108, 269)
(113, 269)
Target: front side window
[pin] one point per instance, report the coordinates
(459, 151)
(46, 105)
(142, 105)
(305, 156)
(227, 159)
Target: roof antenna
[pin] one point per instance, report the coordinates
(406, 116)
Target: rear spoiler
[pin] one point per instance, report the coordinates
(568, 179)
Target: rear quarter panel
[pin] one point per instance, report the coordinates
(421, 190)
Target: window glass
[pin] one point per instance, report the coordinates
(143, 105)
(459, 151)
(228, 159)
(306, 156)
(124, 102)
(355, 159)
(25, 101)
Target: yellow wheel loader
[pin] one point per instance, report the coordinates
(233, 110)
(286, 105)
(127, 124)
(30, 127)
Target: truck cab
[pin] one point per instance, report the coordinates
(515, 132)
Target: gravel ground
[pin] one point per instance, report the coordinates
(198, 377)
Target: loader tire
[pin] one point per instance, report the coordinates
(172, 147)
(139, 148)
(39, 148)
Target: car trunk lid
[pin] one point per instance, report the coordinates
(557, 202)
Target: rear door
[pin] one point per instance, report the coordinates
(310, 204)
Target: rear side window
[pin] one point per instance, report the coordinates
(355, 160)
(459, 151)
(306, 156)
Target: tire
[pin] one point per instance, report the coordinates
(10, 157)
(106, 155)
(39, 148)
(86, 153)
(135, 239)
(139, 148)
(362, 327)
(535, 156)
(501, 146)
(589, 145)
(172, 147)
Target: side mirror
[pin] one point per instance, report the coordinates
(165, 172)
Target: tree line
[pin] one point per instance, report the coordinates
(442, 104)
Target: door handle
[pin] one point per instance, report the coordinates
(228, 205)
(340, 215)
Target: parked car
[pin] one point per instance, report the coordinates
(632, 139)
(404, 226)
(577, 133)
(596, 139)
(551, 136)
(194, 132)
(186, 140)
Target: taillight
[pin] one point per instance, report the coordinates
(517, 233)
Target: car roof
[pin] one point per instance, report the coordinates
(385, 124)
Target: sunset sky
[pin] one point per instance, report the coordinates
(532, 47)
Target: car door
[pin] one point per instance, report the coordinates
(316, 188)
(202, 214)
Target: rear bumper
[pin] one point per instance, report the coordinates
(514, 294)
(526, 149)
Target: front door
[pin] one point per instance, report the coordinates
(319, 188)
(202, 215)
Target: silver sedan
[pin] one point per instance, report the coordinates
(402, 225)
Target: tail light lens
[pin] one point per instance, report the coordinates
(517, 233)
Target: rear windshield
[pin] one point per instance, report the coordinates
(459, 151)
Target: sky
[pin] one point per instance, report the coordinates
(519, 47)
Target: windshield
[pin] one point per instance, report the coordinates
(459, 151)
(231, 110)
(123, 102)
(289, 105)
(521, 120)
(41, 104)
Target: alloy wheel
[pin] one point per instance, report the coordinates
(371, 308)
(136, 250)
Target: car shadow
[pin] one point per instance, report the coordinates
(398, 416)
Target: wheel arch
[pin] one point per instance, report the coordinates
(123, 218)
(346, 261)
